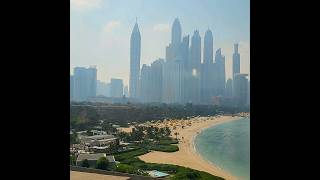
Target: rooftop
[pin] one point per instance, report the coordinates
(98, 137)
(96, 156)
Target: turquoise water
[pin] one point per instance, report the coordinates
(228, 146)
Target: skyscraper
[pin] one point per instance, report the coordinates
(108, 88)
(195, 50)
(235, 65)
(184, 50)
(171, 87)
(81, 84)
(186, 73)
(126, 91)
(220, 74)
(240, 89)
(228, 92)
(208, 69)
(248, 96)
(235, 60)
(71, 87)
(145, 83)
(85, 83)
(176, 32)
(102, 88)
(92, 76)
(151, 81)
(135, 50)
(208, 48)
(116, 89)
(173, 68)
(156, 80)
(173, 51)
(193, 75)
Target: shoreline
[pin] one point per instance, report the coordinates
(187, 155)
(192, 143)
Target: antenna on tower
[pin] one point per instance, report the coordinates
(136, 19)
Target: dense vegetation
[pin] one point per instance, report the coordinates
(74, 138)
(164, 148)
(87, 114)
(85, 163)
(102, 163)
(130, 154)
(125, 168)
(72, 160)
(132, 164)
(166, 141)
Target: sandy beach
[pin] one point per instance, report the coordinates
(187, 155)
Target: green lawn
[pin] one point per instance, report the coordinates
(164, 148)
(130, 154)
(168, 141)
(130, 164)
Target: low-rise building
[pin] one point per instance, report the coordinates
(92, 158)
(99, 140)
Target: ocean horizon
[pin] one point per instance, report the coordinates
(227, 146)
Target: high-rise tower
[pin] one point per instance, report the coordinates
(173, 51)
(195, 50)
(208, 70)
(84, 83)
(193, 70)
(176, 32)
(208, 48)
(173, 68)
(236, 60)
(135, 50)
(220, 74)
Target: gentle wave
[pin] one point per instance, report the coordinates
(227, 146)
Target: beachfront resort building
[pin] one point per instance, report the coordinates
(98, 143)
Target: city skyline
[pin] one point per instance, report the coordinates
(109, 50)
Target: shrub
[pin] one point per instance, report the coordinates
(72, 160)
(167, 141)
(127, 155)
(125, 168)
(102, 163)
(165, 148)
(85, 163)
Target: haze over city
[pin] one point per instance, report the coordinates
(160, 89)
(100, 31)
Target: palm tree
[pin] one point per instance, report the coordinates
(176, 134)
(167, 131)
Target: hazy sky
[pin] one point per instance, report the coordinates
(100, 31)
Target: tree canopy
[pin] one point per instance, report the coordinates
(102, 163)
(85, 163)
(84, 115)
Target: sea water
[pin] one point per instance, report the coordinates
(228, 146)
